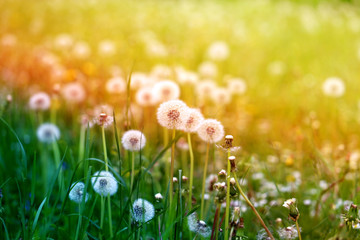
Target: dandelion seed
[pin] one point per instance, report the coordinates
(211, 131)
(133, 140)
(77, 192)
(143, 210)
(48, 133)
(104, 183)
(166, 90)
(193, 121)
(73, 92)
(40, 101)
(172, 114)
(333, 87)
(116, 85)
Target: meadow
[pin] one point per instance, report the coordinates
(179, 119)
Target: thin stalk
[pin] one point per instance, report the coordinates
(82, 147)
(110, 218)
(132, 171)
(107, 169)
(298, 229)
(104, 146)
(191, 170)
(227, 210)
(172, 167)
(79, 223)
(102, 213)
(159, 223)
(253, 208)
(216, 222)
(204, 180)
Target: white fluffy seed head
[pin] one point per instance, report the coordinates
(211, 131)
(145, 97)
(218, 51)
(236, 86)
(193, 120)
(48, 133)
(81, 50)
(107, 48)
(77, 192)
(138, 80)
(221, 96)
(104, 183)
(143, 210)
(116, 85)
(333, 87)
(39, 101)
(133, 140)
(198, 226)
(205, 89)
(172, 114)
(208, 69)
(166, 90)
(73, 92)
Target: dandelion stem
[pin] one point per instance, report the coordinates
(102, 211)
(132, 171)
(79, 223)
(81, 147)
(227, 210)
(216, 222)
(172, 167)
(253, 208)
(110, 216)
(298, 229)
(191, 170)
(104, 146)
(204, 180)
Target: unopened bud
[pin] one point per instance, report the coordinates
(184, 179)
(175, 180)
(232, 163)
(228, 141)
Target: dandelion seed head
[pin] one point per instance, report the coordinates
(138, 80)
(77, 192)
(40, 101)
(288, 232)
(211, 131)
(81, 50)
(146, 97)
(48, 133)
(104, 183)
(143, 210)
(73, 92)
(172, 114)
(186, 77)
(208, 69)
(192, 123)
(103, 120)
(205, 88)
(107, 48)
(236, 86)
(333, 87)
(133, 140)
(166, 90)
(198, 226)
(116, 85)
(218, 51)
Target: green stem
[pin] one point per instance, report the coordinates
(102, 212)
(204, 180)
(217, 221)
(227, 210)
(104, 146)
(132, 171)
(298, 229)
(110, 218)
(191, 171)
(81, 147)
(253, 208)
(79, 223)
(172, 167)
